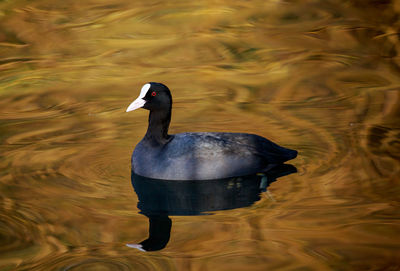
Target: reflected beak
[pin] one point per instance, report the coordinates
(138, 103)
(137, 246)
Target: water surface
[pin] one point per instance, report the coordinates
(322, 77)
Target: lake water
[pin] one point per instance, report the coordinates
(321, 77)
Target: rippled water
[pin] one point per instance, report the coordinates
(321, 77)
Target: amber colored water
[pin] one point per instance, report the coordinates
(322, 77)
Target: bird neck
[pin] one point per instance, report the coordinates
(157, 132)
(159, 233)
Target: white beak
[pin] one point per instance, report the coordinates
(137, 246)
(138, 103)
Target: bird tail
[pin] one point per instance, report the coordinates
(291, 154)
(284, 154)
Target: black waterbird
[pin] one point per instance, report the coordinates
(197, 156)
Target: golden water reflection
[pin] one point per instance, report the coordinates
(321, 77)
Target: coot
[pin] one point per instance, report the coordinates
(196, 156)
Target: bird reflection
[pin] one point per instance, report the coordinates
(159, 199)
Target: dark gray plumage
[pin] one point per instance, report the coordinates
(197, 156)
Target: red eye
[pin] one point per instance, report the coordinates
(153, 93)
